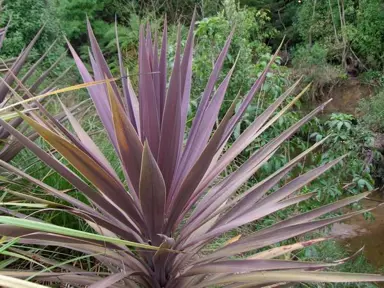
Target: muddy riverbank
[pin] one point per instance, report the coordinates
(358, 232)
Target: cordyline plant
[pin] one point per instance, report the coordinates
(13, 90)
(174, 199)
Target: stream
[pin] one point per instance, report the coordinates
(357, 232)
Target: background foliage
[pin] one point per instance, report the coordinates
(329, 42)
(315, 38)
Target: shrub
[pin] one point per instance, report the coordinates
(174, 199)
(312, 63)
(367, 35)
(350, 31)
(26, 18)
(248, 48)
(372, 113)
(31, 76)
(310, 57)
(346, 136)
(71, 15)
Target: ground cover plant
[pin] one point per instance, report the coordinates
(150, 228)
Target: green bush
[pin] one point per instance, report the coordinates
(310, 56)
(282, 15)
(248, 44)
(345, 28)
(346, 137)
(72, 16)
(367, 34)
(102, 13)
(312, 63)
(372, 111)
(27, 17)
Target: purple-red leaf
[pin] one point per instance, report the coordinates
(149, 112)
(152, 195)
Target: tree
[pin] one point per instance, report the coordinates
(26, 18)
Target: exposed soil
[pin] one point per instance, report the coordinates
(346, 96)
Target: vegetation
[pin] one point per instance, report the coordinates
(372, 112)
(222, 155)
(166, 180)
(30, 74)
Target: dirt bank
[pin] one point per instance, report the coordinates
(346, 96)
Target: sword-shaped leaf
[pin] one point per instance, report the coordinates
(152, 195)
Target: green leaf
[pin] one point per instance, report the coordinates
(50, 228)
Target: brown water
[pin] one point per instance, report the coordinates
(357, 232)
